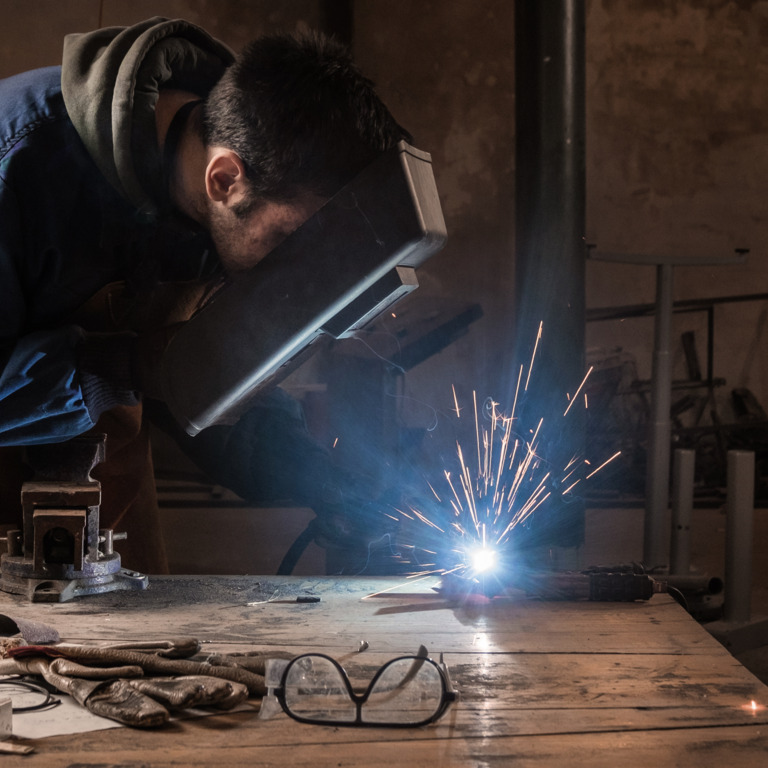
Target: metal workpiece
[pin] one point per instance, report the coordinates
(344, 266)
(601, 584)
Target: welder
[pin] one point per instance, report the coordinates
(153, 156)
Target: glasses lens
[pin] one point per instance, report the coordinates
(315, 689)
(408, 691)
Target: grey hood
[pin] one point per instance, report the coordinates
(110, 80)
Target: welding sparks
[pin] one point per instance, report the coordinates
(456, 402)
(533, 356)
(482, 559)
(581, 386)
(753, 708)
(487, 496)
(606, 462)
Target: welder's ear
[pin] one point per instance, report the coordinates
(225, 179)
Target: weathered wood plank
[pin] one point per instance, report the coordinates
(194, 606)
(214, 742)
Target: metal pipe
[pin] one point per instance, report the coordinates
(682, 508)
(655, 553)
(550, 176)
(696, 583)
(738, 536)
(550, 249)
(338, 19)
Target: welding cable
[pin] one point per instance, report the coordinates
(678, 597)
(296, 550)
(23, 687)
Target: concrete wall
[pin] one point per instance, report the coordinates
(447, 69)
(678, 151)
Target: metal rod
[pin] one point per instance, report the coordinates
(660, 429)
(738, 536)
(598, 314)
(682, 509)
(710, 344)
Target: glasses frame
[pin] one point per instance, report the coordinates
(448, 693)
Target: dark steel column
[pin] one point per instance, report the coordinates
(338, 20)
(550, 194)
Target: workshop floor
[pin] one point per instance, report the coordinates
(615, 536)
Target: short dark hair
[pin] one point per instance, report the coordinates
(300, 114)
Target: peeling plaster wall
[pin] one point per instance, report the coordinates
(32, 30)
(446, 70)
(677, 110)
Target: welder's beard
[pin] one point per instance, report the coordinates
(243, 240)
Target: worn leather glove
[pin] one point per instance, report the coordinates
(141, 686)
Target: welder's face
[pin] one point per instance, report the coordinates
(243, 241)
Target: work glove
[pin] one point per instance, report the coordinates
(141, 686)
(154, 314)
(269, 457)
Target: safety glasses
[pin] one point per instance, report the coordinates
(407, 691)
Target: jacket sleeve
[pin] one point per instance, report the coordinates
(267, 457)
(53, 383)
(270, 457)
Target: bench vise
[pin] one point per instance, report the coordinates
(61, 552)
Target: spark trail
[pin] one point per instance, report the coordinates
(484, 498)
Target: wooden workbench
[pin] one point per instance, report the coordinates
(542, 683)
